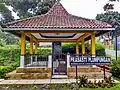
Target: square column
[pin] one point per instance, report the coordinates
(31, 50)
(77, 47)
(68, 60)
(83, 46)
(36, 51)
(49, 61)
(93, 51)
(23, 50)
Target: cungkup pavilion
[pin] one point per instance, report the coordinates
(56, 26)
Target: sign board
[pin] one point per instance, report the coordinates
(89, 60)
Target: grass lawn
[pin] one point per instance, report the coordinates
(117, 87)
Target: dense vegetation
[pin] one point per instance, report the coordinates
(70, 48)
(115, 68)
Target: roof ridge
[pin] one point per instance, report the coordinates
(56, 3)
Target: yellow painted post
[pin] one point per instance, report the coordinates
(36, 46)
(31, 50)
(93, 43)
(77, 47)
(23, 45)
(23, 50)
(83, 46)
(31, 46)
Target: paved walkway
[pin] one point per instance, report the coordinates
(41, 81)
(112, 52)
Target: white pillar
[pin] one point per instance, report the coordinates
(36, 58)
(68, 60)
(49, 61)
(31, 58)
(22, 63)
(94, 66)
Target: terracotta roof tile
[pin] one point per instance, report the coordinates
(58, 17)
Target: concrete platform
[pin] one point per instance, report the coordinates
(42, 81)
(59, 76)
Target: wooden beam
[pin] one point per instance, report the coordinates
(50, 31)
(57, 40)
(84, 36)
(28, 34)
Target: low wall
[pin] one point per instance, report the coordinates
(91, 73)
(31, 73)
(33, 70)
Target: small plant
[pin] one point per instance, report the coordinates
(82, 81)
(115, 68)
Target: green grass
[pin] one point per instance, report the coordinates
(117, 87)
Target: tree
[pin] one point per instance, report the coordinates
(108, 6)
(6, 14)
(110, 17)
(7, 38)
(28, 8)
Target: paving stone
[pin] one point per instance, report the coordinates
(25, 82)
(72, 80)
(9, 81)
(44, 81)
(1, 80)
(116, 81)
(59, 81)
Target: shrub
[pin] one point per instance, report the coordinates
(6, 69)
(83, 82)
(115, 68)
(70, 47)
(100, 49)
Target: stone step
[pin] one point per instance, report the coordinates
(59, 76)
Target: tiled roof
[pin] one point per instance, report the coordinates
(58, 17)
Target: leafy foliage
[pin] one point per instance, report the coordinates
(109, 17)
(83, 82)
(28, 8)
(115, 68)
(70, 48)
(112, 18)
(6, 69)
(108, 6)
(7, 38)
(6, 14)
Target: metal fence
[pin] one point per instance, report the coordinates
(36, 61)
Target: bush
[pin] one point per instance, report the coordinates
(10, 58)
(70, 47)
(115, 68)
(100, 49)
(6, 69)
